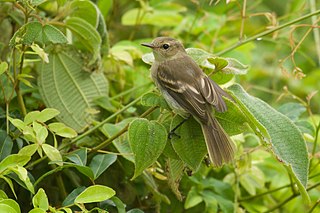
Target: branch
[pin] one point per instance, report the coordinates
(290, 198)
(240, 43)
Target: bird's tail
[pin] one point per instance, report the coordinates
(220, 147)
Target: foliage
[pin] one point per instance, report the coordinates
(83, 129)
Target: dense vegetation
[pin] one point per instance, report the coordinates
(84, 129)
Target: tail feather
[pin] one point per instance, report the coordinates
(220, 147)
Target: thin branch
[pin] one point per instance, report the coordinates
(243, 19)
(316, 32)
(291, 198)
(121, 132)
(264, 193)
(88, 131)
(267, 32)
(314, 206)
(315, 143)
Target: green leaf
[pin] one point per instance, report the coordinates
(41, 132)
(18, 123)
(37, 210)
(40, 52)
(52, 153)
(87, 171)
(252, 180)
(233, 120)
(211, 202)
(135, 211)
(51, 34)
(225, 205)
(292, 110)
(3, 195)
(23, 176)
(85, 10)
(69, 200)
(235, 67)
(6, 145)
(6, 208)
(190, 146)
(147, 140)
(14, 206)
(29, 150)
(121, 143)
(3, 67)
(86, 33)
(36, 32)
(100, 163)
(193, 198)
(104, 7)
(287, 141)
(40, 200)
(14, 160)
(66, 86)
(96, 193)
(78, 157)
(121, 207)
(154, 99)
(47, 114)
(218, 62)
(42, 116)
(62, 130)
(175, 171)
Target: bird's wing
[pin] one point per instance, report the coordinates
(213, 93)
(192, 90)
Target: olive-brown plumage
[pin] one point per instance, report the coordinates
(188, 90)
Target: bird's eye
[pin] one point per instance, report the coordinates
(165, 46)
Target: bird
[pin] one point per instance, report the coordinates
(189, 91)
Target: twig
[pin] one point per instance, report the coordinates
(122, 131)
(316, 32)
(243, 19)
(267, 32)
(264, 193)
(290, 198)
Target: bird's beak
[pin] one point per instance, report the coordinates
(148, 45)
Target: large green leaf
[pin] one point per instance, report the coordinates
(189, 142)
(85, 10)
(66, 86)
(147, 140)
(86, 33)
(286, 141)
(36, 32)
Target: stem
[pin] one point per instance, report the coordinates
(314, 149)
(290, 198)
(129, 91)
(17, 87)
(314, 206)
(243, 18)
(267, 32)
(264, 193)
(7, 118)
(103, 122)
(121, 132)
(316, 32)
(88, 131)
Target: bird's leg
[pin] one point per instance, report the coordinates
(172, 132)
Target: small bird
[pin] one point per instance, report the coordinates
(188, 90)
